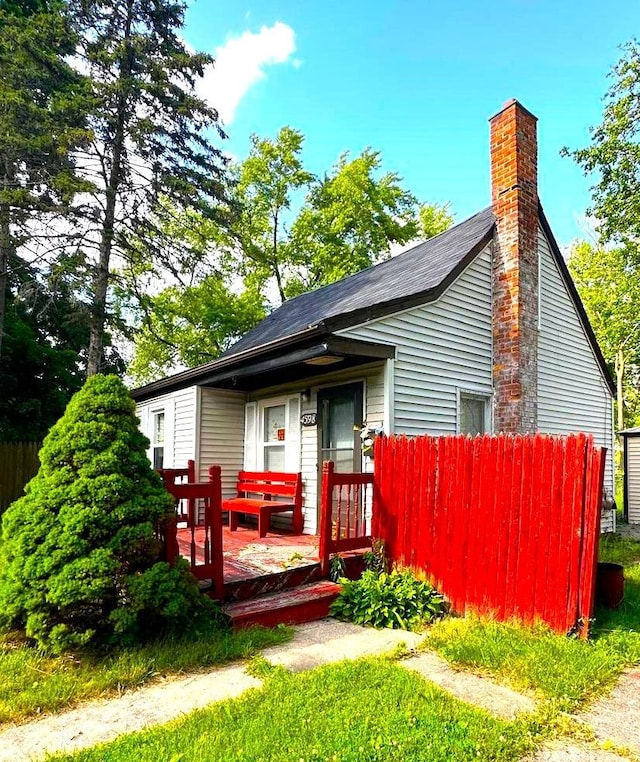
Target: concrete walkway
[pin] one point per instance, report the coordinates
(313, 644)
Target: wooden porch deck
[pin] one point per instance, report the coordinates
(248, 556)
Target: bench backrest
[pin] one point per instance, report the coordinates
(272, 483)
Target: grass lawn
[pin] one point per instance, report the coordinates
(32, 682)
(366, 710)
(567, 671)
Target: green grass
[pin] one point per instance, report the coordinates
(568, 671)
(369, 710)
(32, 682)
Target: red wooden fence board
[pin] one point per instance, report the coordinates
(504, 525)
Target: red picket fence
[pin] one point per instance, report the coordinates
(344, 517)
(502, 525)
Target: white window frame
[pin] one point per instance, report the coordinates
(263, 445)
(474, 394)
(155, 445)
(292, 442)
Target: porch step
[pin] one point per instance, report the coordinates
(292, 606)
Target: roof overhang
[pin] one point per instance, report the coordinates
(271, 365)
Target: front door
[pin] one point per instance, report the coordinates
(341, 416)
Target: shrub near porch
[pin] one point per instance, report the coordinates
(80, 563)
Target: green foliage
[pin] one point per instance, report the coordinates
(398, 600)
(35, 682)
(285, 232)
(608, 281)
(614, 153)
(42, 123)
(80, 561)
(376, 559)
(354, 711)
(152, 151)
(192, 325)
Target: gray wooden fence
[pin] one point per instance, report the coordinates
(18, 464)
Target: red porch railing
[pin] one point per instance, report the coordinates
(345, 514)
(199, 507)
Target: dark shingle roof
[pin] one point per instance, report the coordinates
(419, 270)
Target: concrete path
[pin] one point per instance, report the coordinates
(616, 717)
(481, 691)
(313, 644)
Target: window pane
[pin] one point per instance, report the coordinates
(339, 431)
(158, 457)
(274, 458)
(472, 414)
(158, 428)
(274, 423)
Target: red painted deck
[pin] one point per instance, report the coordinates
(248, 556)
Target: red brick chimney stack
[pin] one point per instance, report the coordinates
(514, 196)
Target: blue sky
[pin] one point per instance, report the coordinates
(418, 82)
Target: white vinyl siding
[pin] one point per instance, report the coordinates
(373, 379)
(180, 424)
(572, 393)
(222, 435)
(632, 477)
(442, 348)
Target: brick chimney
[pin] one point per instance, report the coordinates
(514, 196)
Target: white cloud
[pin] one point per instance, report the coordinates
(240, 64)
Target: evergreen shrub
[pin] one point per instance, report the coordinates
(80, 561)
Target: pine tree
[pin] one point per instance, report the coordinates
(43, 104)
(80, 561)
(152, 150)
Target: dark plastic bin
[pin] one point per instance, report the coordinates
(609, 585)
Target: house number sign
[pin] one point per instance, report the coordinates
(309, 419)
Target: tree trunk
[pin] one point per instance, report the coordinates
(5, 250)
(619, 403)
(101, 278)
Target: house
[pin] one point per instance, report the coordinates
(631, 468)
(479, 329)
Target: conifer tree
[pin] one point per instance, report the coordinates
(80, 560)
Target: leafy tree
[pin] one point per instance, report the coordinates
(614, 153)
(191, 326)
(288, 232)
(609, 284)
(42, 120)
(151, 152)
(348, 221)
(80, 562)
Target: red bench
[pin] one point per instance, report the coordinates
(263, 493)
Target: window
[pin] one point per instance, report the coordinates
(274, 437)
(473, 417)
(157, 439)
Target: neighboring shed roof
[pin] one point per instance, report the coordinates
(427, 267)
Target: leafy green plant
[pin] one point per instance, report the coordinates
(397, 599)
(337, 567)
(376, 558)
(80, 563)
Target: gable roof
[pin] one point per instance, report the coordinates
(414, 277)
(410, 278)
